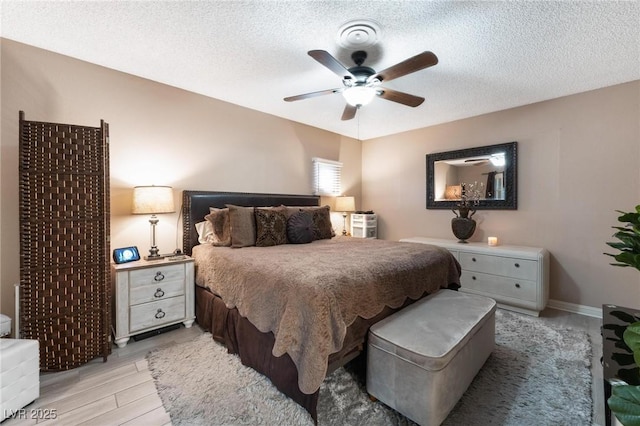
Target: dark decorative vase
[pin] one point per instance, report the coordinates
(462, 225)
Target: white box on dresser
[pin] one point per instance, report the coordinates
(516, 277)
(364, 225)
(148, 295)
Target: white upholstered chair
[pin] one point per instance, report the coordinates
(19, 374)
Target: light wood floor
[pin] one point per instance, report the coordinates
(121, 391)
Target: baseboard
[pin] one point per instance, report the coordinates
(576, 309)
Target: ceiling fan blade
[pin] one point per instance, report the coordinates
(313, 94)
(413, 64)
(349, 112)
(330, 62)
(400, 97)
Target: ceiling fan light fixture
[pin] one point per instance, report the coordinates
(359, 95)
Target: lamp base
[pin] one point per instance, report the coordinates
(156, 257)
(344, 223)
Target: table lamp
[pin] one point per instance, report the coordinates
(345, 205)
(153, 200)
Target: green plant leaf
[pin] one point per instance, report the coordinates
(625, 404)
(630, 217)
(629, 236)
(631, 337)
(628, 259)
(617, 246)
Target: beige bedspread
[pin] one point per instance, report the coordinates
(308, 294)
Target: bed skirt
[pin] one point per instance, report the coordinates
(255, 347)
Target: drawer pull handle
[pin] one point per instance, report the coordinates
(473, 258)
(158, 277)
(517, 285)
(158, 293)
(160, 314)
(517, 265)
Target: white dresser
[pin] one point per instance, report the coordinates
(148, 295)
(516, 277)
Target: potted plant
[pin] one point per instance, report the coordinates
(625, 399)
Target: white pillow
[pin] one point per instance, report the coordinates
(205, 232)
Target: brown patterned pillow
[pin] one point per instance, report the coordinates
(221, 224)
(322, 228)
(271, 226)
(243, 226)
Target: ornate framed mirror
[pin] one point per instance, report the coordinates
(495, 166)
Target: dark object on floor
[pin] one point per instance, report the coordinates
(155, 332)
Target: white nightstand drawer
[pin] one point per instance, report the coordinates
(157, 275)
(154, 292)
(154, 314)
(496, 265)
(499, 286)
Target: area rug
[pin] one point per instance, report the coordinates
(538, 374)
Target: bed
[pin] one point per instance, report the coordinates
(296, 312)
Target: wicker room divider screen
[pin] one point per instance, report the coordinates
(64, 241)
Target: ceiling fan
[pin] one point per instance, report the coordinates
(362, 84)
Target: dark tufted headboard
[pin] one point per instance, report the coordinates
(195, 206)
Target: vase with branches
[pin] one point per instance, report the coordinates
(463, 226)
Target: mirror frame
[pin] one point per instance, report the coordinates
(511, 187)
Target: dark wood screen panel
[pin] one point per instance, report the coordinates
(64, 241)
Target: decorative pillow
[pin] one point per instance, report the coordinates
(322, 223)
(205, 232)
(271, 226)
(243, 226)
(220, 227)
(300, 227)
(322, 228)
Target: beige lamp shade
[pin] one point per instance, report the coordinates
(345, 204)
(153, 200)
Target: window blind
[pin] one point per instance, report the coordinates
(326, 177)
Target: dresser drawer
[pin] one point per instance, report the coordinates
(498, 265)
(499, 286)
(159, 274)
(155, 314)
(154, 292)
(367, 219)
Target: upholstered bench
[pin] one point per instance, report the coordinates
(19, 374)
(421, 359)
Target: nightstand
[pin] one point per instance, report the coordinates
(148, 295)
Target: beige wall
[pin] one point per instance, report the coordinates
(159, 135)
(578, 162)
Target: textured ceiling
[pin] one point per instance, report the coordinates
(492, 55)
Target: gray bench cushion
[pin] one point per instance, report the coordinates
(421, 359)
(431, 331)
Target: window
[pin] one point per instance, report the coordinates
(326, 177)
